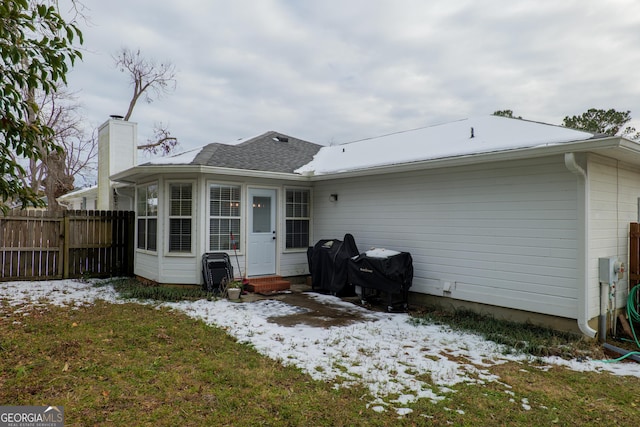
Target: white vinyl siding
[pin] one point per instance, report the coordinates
(294, 264)
(181, 270)
(147, 266)
(614, 193)
(503, 233)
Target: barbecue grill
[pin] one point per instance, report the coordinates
(328, 260)
(380, 272)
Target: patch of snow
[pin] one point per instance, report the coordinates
(56, 292)
(183, 158)
(381, 253)
(404, 411)
(386, 352)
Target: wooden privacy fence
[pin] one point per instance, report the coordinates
(40, 245)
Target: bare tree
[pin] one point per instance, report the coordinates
(53, 172)
(79, 149)
(161, 142)
(150, 81)
(147, 77)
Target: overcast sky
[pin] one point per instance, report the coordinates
(332, 71)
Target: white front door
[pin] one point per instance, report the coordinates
(261, 257)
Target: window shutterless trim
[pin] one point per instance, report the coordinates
(297, 221)
(180, 218)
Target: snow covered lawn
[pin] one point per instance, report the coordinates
(388, 353)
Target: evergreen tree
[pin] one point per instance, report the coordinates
(37, 50)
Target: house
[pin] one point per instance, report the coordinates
(190, 204)
(502, 215)
(81, 199)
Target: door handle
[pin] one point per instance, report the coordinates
(274, 234)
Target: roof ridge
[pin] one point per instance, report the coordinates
(403, 131)
(205, 153)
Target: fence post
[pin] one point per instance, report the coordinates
(66, 238)
(130, 227)
(62, 237)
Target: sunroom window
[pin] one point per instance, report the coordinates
(224, 216)
(180, 217)
(147, 211)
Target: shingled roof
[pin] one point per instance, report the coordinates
(271, 151)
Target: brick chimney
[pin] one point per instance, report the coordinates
(117, 151)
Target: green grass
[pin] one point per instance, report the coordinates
(132, 289)
(131, 364)
(518, 337)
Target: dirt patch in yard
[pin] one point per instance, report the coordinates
(318, 313)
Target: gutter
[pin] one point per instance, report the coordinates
(583, 242)
(595, 144)
(131, 175)
(588, 145)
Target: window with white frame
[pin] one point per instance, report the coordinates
(224, 217)
(298, 218)
(180, 216)
(147, 210)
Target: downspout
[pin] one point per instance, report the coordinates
(583, 243)
(115, 190)
(64, 204)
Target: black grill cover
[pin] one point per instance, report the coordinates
(393, 274)
(328, 261)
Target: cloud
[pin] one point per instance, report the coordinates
(336, 71)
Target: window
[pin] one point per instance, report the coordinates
(298, 218)
(147, 210)
(180, 206)
(224, 212)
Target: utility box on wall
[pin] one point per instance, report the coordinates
(611, 269)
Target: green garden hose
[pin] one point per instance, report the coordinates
(621, 358)
(634, 316)
(632, 311)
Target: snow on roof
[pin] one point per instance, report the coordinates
(79, 193)
(183, 158)
(462, 137)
